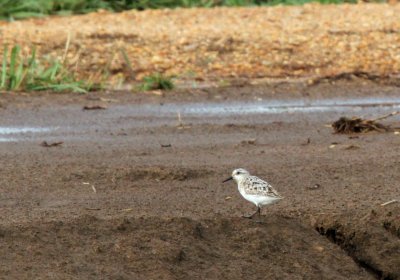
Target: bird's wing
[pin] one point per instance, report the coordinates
(254, 185)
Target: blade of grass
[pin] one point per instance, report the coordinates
(32, 62)
(127, 60)
(22, 15)
(74, 87)
(4, 68)
(49, 72)
(55, 70)
(13, 64)
(19, 74)
(28, 71)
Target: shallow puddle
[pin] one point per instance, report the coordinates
(270, 106)
(13, 134)
(292, 106)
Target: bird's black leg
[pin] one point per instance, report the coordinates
(250, 216)
(259, 215)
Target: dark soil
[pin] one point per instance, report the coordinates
(130, 196)
(176, 248)
(372, 239)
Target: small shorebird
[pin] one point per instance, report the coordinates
(254, 190)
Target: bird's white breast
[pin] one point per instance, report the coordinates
(259, 200)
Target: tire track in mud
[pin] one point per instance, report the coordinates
(137, 173)
(371, 238)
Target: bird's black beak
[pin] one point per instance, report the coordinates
(230, 178)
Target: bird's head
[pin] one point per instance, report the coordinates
(237, 175)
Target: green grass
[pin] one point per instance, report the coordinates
(157, 81)
(19, 9)
(19, 73)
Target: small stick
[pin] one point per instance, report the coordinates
(93, 209)
(94, 107)
(48, 145)
(77, 60)
(66, 47)
(180, 124)
(179, 119)
(386, 116)
(389, 202)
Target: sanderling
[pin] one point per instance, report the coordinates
(254, 190)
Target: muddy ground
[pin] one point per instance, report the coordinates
(135, 193)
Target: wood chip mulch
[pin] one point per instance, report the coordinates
(220, 43)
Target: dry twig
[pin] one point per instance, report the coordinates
(48, 145)
(94, 107)
(389, 202)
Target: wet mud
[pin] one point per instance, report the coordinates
(134, 191)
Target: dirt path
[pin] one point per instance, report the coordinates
(112, 202)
